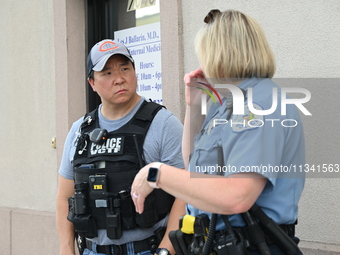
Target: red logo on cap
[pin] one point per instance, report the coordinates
(108, 47)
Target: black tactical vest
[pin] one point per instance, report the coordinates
(105, 165)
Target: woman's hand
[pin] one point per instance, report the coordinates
(191, 80)
(140, 188)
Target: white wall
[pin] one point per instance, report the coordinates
(42, 70)
(27, 105)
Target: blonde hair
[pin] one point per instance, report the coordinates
(233, 45)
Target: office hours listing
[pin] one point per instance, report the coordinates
(144, 44)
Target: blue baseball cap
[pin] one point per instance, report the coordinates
(102, 51)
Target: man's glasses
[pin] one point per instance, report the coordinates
(211, 16)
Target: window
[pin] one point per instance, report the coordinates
(105, 17)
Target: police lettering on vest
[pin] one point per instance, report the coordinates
(111, 146)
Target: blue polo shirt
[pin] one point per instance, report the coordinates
(270, 145)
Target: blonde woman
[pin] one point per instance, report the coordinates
(249, 154)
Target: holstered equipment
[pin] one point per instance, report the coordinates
(105, 164)
(197, 235)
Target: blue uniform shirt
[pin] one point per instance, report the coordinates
(270, 145)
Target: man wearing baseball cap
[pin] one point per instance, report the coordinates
(103, 152)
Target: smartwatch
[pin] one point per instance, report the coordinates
(162, 251)
(153, 175)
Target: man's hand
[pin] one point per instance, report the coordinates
(64, 227)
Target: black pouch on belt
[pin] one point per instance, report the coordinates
(149, 217)
(128, 209)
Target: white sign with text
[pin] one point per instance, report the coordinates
(144, 44)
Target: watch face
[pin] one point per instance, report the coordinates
(152, 176)
(163, 252)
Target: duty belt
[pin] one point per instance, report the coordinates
(289, 229)
(139, 246)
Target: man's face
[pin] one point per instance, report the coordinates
(117, 82)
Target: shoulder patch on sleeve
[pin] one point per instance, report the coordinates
(248, 121)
